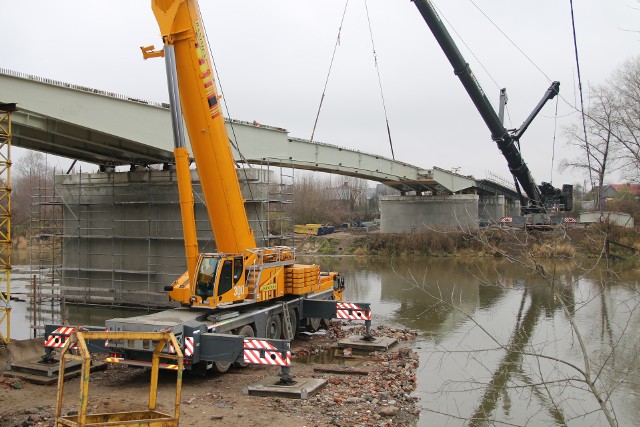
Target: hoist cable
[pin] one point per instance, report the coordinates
(375, 60)
(509, 39)
(566, 101)
(324, 90)
(449, 25)
(584, 122)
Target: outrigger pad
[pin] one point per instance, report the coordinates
(302, 389)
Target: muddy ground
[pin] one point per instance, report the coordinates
(382, 397)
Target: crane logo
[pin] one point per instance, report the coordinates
(207, 75)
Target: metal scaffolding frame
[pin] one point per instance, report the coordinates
(5, 222)
(121, 236)
(279, 206)
(45, 243)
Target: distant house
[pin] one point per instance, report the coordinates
(616, 190)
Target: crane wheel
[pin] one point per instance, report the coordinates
(314, 324)
(221, 367)
(245, 331)
(274, 327)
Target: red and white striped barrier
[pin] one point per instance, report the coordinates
(188, 346)
(59, 337)
(569, 220)
(350, 311)
(261, 352)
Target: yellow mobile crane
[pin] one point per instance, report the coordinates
(241, 291)
(239, 272)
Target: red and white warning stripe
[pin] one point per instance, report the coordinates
(60, 338)
(260, 352)
(56, 341)
(569, 220)
(344, 305)
(188, 346)
(350, 311)
(64, 330)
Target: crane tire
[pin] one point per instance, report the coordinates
(273, 329)
(245, 331)
(314, 324)
(221, 367)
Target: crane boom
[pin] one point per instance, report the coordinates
(505, 140)
(181, 27)
(238, 272)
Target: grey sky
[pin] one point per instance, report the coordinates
(272, 58)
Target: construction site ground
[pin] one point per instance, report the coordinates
(378, 395)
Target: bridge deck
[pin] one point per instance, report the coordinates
(106, 128)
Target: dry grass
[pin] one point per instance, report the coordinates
(553, 250)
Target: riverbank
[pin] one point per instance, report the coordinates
(566, 242)
(380, 395)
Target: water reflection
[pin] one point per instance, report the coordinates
(482, 321)
(476, 318)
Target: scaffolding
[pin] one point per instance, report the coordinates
(123, 238)
(121, 235)
(5, 222)
(46, 244)
(278, 207)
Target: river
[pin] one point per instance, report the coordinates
(495, 342)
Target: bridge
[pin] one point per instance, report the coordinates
(105, 128)
(134, 218)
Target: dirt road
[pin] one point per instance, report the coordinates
(380, 398)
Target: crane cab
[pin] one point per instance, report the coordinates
(220, 280)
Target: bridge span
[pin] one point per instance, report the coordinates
(111, 129)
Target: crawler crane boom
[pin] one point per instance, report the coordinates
(538, 199)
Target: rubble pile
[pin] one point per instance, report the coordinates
(381, 398)
(363, 389)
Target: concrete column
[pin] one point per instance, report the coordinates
(491, 208)
(123, 233)
(404, 214)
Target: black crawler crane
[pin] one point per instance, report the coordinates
(536, 199)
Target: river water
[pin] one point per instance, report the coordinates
(495, 342)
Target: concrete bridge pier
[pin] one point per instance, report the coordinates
(122, 234)
(404, 214)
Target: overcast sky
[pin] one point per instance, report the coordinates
(273, 56)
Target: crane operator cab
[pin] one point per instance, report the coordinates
(219, 280)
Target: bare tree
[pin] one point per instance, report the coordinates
(625, 85)
(534, 369)
(32, 176)
(598, 152)
(612, 124)
(310, 200)
(319, 201)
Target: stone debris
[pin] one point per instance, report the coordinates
(381, 398)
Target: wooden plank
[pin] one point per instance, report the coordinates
(342, 371)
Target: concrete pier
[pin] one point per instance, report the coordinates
(404, 214)
(123, 239)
